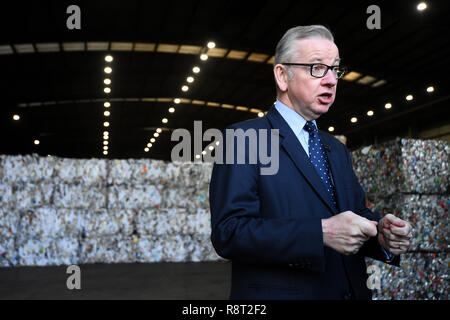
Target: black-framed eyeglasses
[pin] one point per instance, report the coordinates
(319, 70)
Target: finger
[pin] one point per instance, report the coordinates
(368, 228)
(404, 249)
(394, 220)
(390, 236)
(398, 244)
(401, 231)
(362, 239)
(396, 252)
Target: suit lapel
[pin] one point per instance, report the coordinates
(297, 154)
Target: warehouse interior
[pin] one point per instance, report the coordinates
(87, 116)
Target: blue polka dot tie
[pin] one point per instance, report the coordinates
(319, 159)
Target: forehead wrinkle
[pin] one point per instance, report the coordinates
(316, 52)
(317, 55)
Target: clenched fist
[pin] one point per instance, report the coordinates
(346, 232)
(394, 234)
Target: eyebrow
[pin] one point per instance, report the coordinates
(337, 60)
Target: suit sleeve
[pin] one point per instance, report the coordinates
(240, 233)
(372, 247)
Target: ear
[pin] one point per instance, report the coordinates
(281, 77)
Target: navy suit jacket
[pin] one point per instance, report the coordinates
(270, 227)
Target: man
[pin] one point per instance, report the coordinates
(303, 232)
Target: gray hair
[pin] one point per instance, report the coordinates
(284, 51)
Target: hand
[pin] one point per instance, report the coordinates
(346, 232)
(394, 234)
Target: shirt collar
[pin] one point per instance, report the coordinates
(295, 120)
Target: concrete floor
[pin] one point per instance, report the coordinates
(171, 281)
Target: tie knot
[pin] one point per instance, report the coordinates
(310, 127)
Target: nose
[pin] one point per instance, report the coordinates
(329, 80)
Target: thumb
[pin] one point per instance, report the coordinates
(391, 219)
(368, 227)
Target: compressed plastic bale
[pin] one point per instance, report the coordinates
(189, 198)
(173, 173)
(65, 251)
(384, 206)
(126, 218)
(9, 223)
(79, 196)
(149, 248)
(146, 221)
(174, 222)
(193, 174)
(33, 195)
(189, 174)
(202, 249)
(107, 249)
(203, 198)
(203, 222)
(425, 166)
(28, 168)
(205, 175)
(149, 171)
(420, 276)
(175, 248)
(163, 226)
(134, 196)
(34, 251)
(187, 221)
(137, 171)
(126, 251)
(185, 198)
(403, 165)
(199, 175)
(73, 221)
(427, 214)
(7, 197)
(8, 252)
(88, 172)
(121, 171)
(165, 221)
(41, 222)
(377, 168)
(108, 223)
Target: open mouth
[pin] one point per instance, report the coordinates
(325, 98)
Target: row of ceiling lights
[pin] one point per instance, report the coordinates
(190, 79)
(387, 106)
(107, 81)
(184, 88)
(107, 90)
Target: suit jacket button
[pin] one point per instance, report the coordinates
(347, 296)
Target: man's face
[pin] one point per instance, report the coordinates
(309, 96)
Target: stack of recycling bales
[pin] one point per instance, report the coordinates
(57, 211)
(409, 178)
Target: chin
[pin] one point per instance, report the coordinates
(321, 109)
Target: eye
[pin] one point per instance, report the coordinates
(318, 68)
